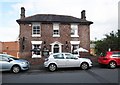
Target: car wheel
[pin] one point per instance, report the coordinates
(15, 69)
(112, 65)
(52, 67)
(84, 66)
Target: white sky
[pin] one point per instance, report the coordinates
(104, 14)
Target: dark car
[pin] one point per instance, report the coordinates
(111, 59)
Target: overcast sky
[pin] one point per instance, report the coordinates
(104, 14)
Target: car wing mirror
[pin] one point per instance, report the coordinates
(9, 60)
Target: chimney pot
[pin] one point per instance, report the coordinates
(22, 15)
(83, 15)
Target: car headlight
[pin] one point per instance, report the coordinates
(23, 62)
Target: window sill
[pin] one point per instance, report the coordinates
(74, 36)
(36, 56)
(36, 35)
(56, 35)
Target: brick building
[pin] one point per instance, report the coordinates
(11, 48)
(42, 34)
(0, 47)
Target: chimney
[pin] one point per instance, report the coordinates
(83, 15)
(22, 15)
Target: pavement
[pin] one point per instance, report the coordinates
(37, 67)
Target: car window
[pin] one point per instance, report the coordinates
(116, 54)
(5, 58)
(58, 56)
(0, 58)
(14, 58)
(69, 56)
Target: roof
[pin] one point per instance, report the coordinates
(53, 18)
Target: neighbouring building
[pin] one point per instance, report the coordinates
(43, 34)
(0, 47)
(92, 49)
(11, 48)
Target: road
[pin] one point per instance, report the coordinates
(94, 75)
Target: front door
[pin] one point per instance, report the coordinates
(56, 48)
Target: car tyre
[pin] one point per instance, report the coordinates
(52, 67)
(84, 66)
(112, 65)
(15, 69)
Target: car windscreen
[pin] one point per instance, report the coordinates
(14, 58)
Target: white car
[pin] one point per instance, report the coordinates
(63, 60)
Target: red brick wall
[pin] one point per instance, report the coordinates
(11, 48)
(46, 35)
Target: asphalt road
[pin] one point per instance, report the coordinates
(94, 75)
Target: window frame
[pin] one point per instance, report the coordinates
(74, 30)
(36, 43)
(36, 25)
(56, 27)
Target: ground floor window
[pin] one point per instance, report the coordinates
(74, 47)
(36, 49)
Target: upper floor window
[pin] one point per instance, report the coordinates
(74, 30)
(36, 30)
(56, 32)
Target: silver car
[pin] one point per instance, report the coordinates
(65, 60)
(10, 63)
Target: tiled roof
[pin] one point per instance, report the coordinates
(52, 18)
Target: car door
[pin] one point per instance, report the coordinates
(0, 63)
(6, 65)
(71, 60)
(59, 59)
(116, 56)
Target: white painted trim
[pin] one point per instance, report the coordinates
(36, 56)
(75, 42)
(55, 26)
(33, 43)
(56, 35)
(60, 46)
(56, 42)
(35, 35)
(74, 35)
(36, 42)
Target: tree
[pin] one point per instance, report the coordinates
(111, 41)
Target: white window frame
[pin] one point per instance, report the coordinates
(74, 28)
(75, 43)
(56, 27)
(36, 35)
(36, 43)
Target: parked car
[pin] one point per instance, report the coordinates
(10, 63)
(111, 59)
(63, 60)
